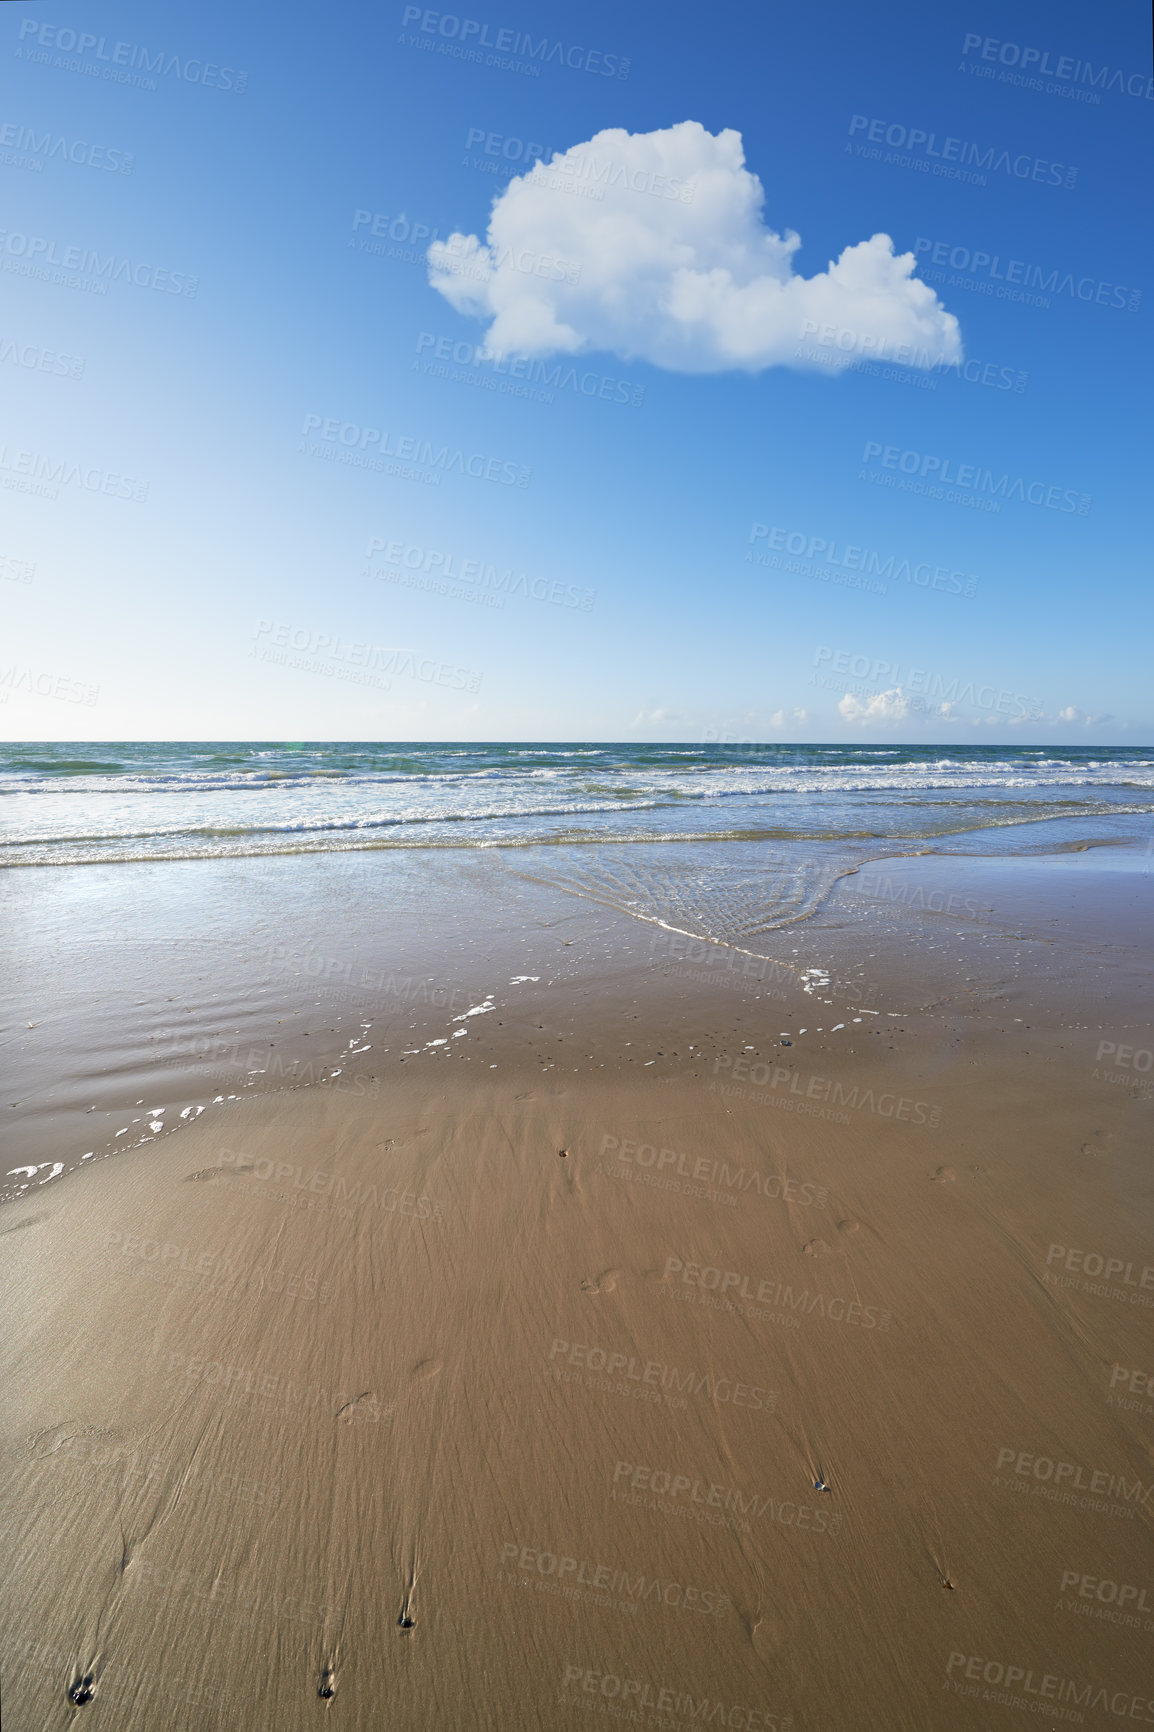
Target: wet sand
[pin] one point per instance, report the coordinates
(650, 1347)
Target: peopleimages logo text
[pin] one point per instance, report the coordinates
(1097, 1481)
(963, 152)
(853, 558)
(659, 1699)
(974, 262)
(491, 372)
(474, 33)
(720, 1390)
(53, 472)
(1037, 60)
(1026, 1682)
(923, 686)
(611, 1579)
(475, 571)
(50, 145)
(363, 443)
(975, 479)
(131, 55)
(41, 360)
(37, 252)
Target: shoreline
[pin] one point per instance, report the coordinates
(307, 1005)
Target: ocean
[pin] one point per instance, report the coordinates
(74, 805)
(724, 841)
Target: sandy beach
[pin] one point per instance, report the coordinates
(576, 868)
(689, 1339)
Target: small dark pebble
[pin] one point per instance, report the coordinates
(404, 1622)
(81, 1691)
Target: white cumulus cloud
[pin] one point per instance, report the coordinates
(652, 246)
(1088, 719)
(654, 718)
(891, 706)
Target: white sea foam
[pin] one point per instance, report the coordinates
(119, 803)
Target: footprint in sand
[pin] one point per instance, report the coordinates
(364, 1405)
(100, 1444)
(816, 1248)
(943, 1176)
(849, 1226)
(766, 1635)
(1100, 1143)
(604, 1283)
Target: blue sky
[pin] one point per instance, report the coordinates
(282, 437)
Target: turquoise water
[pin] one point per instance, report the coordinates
(66, 804)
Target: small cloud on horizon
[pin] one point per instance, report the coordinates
(891, 706)
(894, 706)
(1072, 714)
